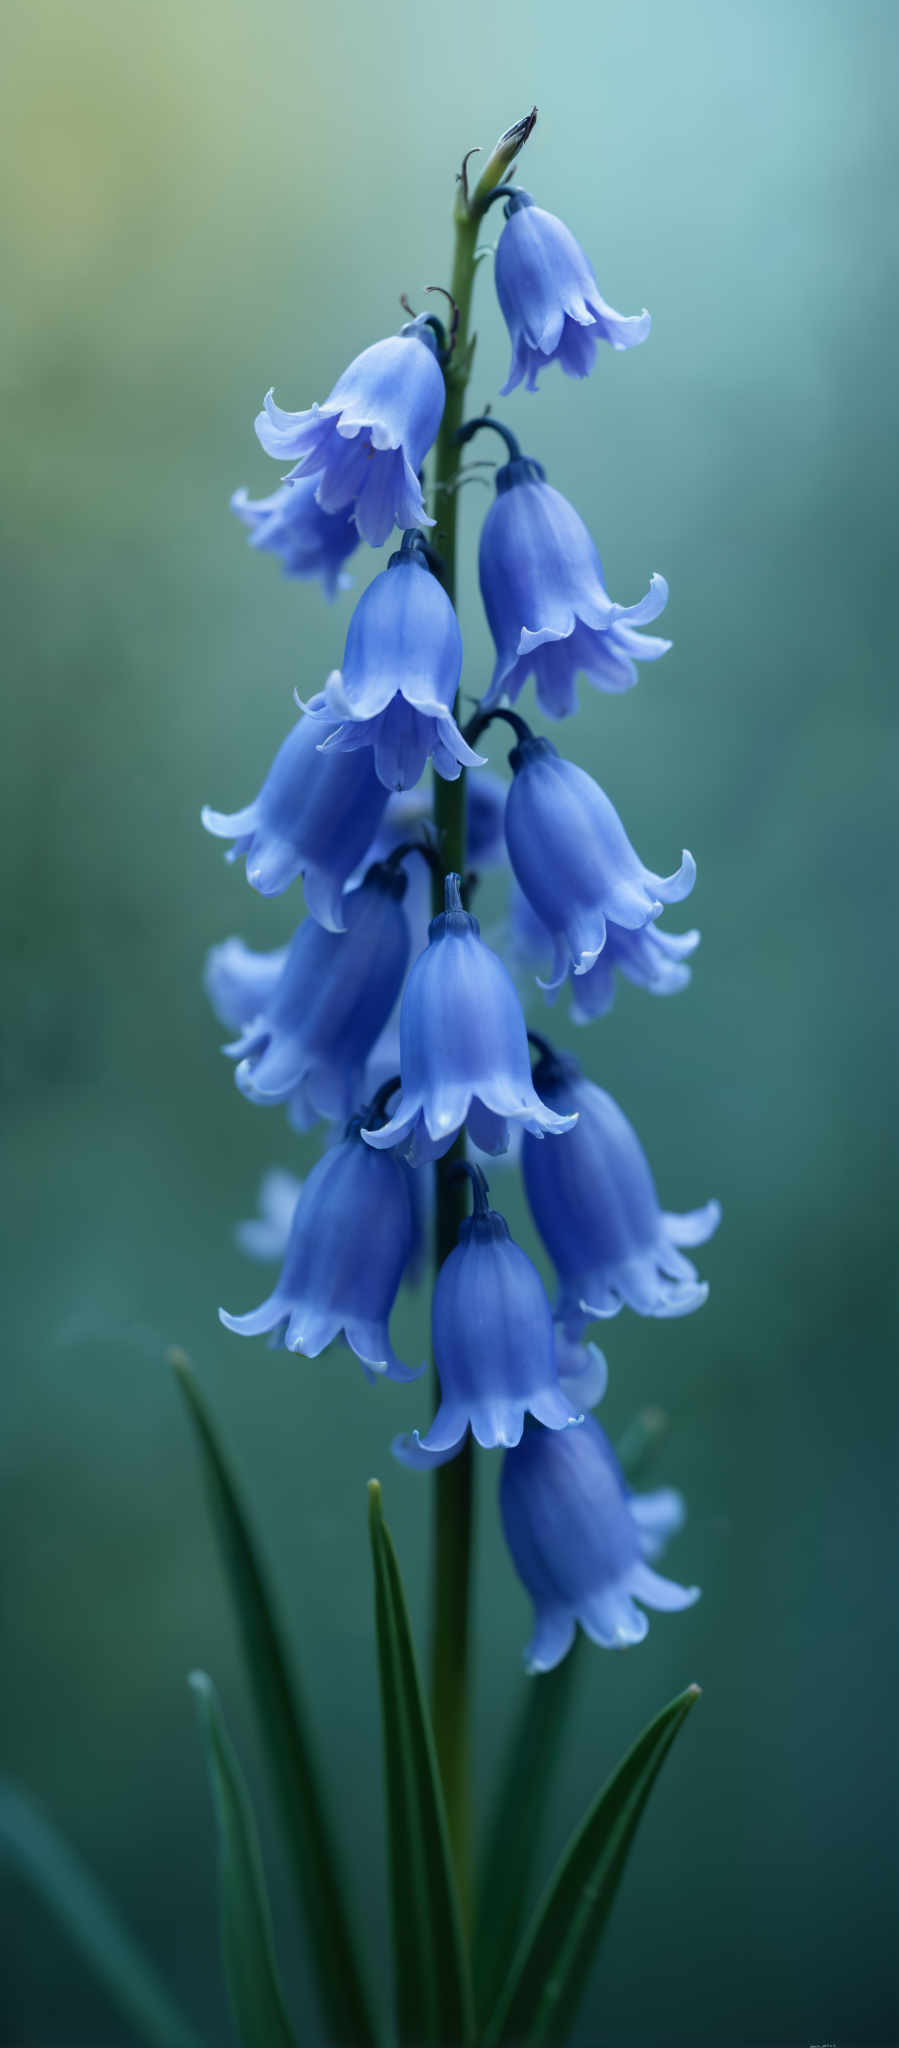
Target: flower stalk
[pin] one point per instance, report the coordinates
(454, 1483)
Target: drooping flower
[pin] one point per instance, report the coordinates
(349, 1242)
(310, 543)
(546, 601)
(582, 1369)
(572, 857)
(366, 444)
(550, 299)
(267, 1234)
(309, 1043)
(494, 1343)
(594, 1202)
(580, 1542)
(401, 669)
(239, 982)
(463, 1047)
(316, 816)
(650, 958)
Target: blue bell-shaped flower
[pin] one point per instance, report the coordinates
(316, 816)
(349, 1242)
(463, 1047)
(309, 1043)
(546, 601)
(366, 444)
(580, 1542)
(401, 669)
(494, 1343)
(309, 543)
(594, 1203)
(550, 299)
(239, 982)
(573, 860)
(650, 958)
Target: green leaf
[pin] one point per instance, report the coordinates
(516, 1822)
(540, 1999)
(31, 1844)
(247, 1946)
(301, 1809)
(433, 1995)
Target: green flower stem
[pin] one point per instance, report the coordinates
(454, 1483)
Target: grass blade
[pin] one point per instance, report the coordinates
(431, 1967)
(299, 1801)
(539, 2001)
(31, 1844)
(247, 1945)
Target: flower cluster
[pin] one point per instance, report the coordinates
(407, 1040)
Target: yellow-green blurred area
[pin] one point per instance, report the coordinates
(207, 200)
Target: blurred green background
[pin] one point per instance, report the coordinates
(208, 200)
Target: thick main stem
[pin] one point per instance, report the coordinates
(454, 1483)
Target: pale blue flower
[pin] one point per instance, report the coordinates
(594, 1202)
(350, 1239)
(308, 542)
(365, 446)
(316, 816)
(550, 299)
(463, 1047)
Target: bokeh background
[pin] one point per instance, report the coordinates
(207, 200)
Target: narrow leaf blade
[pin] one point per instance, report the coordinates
(247, 1945)
(316, 1871)
(549, 1974)
(31, 1844)
(516, 1822)
(431, 1966)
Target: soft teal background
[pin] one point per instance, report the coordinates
(206, 200)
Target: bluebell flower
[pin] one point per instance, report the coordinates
(267, 1234)
(310, 1042)
(349, 1243)
(494, 1343)
(650, 958)
(550, 299)
(572, 858)
(401, 669)
(309, 543)
(594, 1202)
(582, 1369)
(463, 1047)
(580, 1542)
(366, 444)
(239, 982)
(316, 816)
(546, 601)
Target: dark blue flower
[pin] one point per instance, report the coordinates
(366, 444)
(550, 299)
(580, 1541)
(594, 1203)
(494, 1343)
(349, 1242)
(572, 858)
(485, 807)
(543, 590)
(239, 982)
(401, 669)
(310, 543)
(316, 816)
(310, 1041)
(463, 1047)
